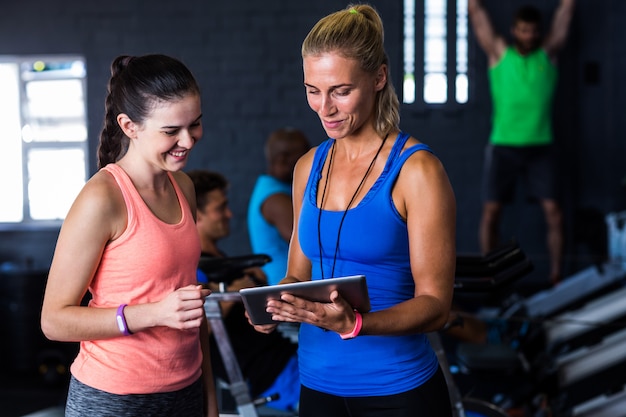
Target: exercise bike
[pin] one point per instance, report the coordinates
(223, 271)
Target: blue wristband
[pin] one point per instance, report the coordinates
(121, 320)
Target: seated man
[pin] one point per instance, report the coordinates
(267, 361)
(270, 212)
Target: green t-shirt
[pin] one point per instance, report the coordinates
(522, 88)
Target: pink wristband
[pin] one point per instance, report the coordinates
(121, 321)
(358, 322)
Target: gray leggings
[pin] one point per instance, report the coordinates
(83, 400)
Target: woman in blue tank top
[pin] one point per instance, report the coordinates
(370, 200)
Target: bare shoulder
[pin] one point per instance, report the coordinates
(103, 190)
(301, 175)
(420, 162)
(422, 169)
(423, 186)
(100, 204)
(303, 166)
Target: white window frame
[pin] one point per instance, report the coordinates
(45, 185)
(435, 53)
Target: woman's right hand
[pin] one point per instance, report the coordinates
(184, 308)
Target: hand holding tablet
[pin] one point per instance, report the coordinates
(352, 288)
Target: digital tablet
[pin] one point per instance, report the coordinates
(352, 288)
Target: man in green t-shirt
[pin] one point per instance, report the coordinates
(522, 79)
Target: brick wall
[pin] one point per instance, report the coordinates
(246, 56)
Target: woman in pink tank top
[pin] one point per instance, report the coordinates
(130, 240)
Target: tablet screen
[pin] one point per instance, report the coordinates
(352, 288)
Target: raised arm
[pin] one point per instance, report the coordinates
(492, 43)
(560, 28)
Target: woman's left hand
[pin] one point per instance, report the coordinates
(336, 315)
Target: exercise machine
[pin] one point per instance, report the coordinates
(579, 366)
(481, 274)
(222, 271)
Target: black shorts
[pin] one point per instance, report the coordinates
(429, 399)
(505, 165)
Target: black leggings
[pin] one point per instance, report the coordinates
(85, 401)
(430, 399)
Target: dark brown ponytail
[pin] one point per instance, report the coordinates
(135, 83)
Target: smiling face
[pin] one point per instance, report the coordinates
(213, 220)
(168, 133)
(341, 93)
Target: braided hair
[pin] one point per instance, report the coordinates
(135, 85)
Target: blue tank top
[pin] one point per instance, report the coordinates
(265, 237)
(374, 242)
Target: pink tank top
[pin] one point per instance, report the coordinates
(148, 261)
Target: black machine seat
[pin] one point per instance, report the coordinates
(496, 269)
(487, 274)
(226, 270)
